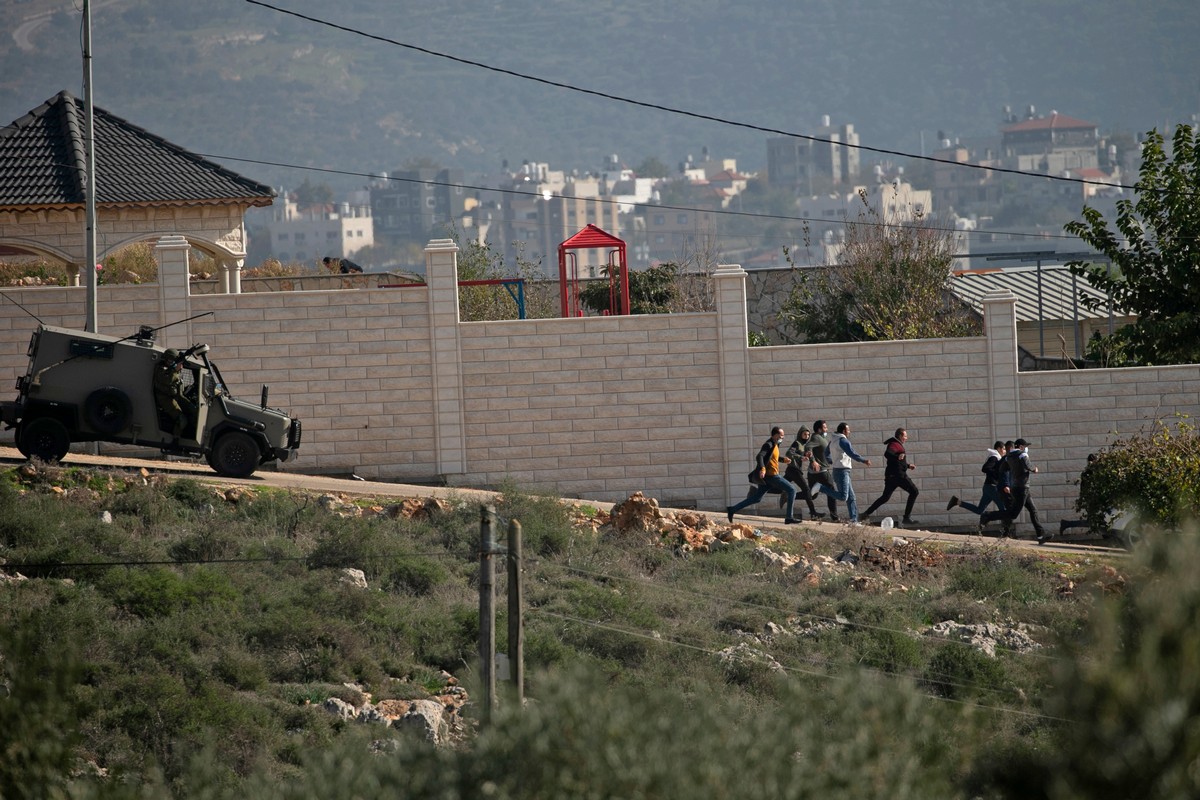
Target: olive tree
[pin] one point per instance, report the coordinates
(892, 281)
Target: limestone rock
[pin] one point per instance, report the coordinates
(355, 577)
(427, 718)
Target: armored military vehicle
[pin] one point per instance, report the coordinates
(88, 387)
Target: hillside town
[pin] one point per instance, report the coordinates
(666, 213)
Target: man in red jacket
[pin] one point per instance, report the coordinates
(895, 476)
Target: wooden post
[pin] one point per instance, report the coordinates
(487, 609)
(516, 624)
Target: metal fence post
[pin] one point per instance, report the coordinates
(487, 609)
(516, 623)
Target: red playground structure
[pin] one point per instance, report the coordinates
(590, 238)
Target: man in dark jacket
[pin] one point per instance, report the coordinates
(800, 457)
(991, 483)
(820, 470)
(1019, 469)
(895, 476)
(341, 265)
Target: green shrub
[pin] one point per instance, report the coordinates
(210, 543)
(1123, 719)
(960, 672)
(545, 521)
(892, 651)
(742, 620)
(38, 725)
(191, 494)
(1154, 476)
(157, 591)
(589, 738)
(242, 671)
(997, 578)
(413, 575)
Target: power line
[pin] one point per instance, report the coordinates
(177, 562)
(668, 109)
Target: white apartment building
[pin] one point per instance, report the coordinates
(311, 233)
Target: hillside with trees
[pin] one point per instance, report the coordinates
(238, 79)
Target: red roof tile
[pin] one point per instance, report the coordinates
(1052, 122)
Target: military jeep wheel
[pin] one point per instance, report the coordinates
(108, 410)
(234, 455)
(44, 438)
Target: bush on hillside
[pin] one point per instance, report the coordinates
(1155, 476)
(1127, 693)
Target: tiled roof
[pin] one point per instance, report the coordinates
(42, 164)
(1058, 291)
(1052, 122)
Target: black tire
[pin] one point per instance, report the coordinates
(235, 455)
(108, 410)
(44, 438)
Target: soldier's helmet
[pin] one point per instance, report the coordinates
(169, 357)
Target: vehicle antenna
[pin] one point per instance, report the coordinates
(23, 308)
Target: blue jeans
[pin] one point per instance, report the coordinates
(845, 492)
(769, 483)
(991, 495)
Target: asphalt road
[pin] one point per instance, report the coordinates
(335, 485)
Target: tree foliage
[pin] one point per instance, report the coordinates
(310, 194)
(892, 282)
(1155, 255)
(651, 291)
(651, 167)
(479, 261)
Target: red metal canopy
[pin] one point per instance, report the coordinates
(592, 237)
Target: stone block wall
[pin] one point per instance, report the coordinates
(597, 407)
(391, 385)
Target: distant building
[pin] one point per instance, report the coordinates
(809, 166)
(1049, 144)
(413, 206)
(541, 208)
(309, 233)
(895, 201)
(672, 233)
(957, 187)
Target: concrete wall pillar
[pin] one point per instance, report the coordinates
(1004, 395)
(73, 273)
(733, 351)
(441, 275)
(174, 290)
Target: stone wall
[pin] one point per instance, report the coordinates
(390, 385)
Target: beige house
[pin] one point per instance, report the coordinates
(146, 187)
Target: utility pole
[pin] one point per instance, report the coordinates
(89, 267)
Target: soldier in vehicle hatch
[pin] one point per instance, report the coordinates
(169, 396)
